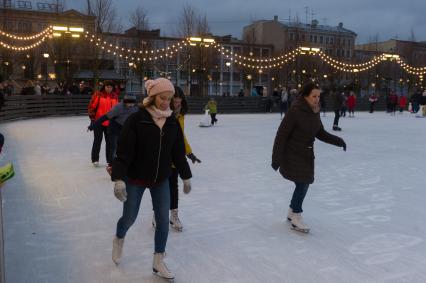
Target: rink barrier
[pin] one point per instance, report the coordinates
(33, 106)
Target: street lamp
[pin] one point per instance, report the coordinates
(249, 77)
(46, 56)
(200, 42)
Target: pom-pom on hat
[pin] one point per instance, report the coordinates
(158, 86)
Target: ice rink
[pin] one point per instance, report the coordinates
(366, 208)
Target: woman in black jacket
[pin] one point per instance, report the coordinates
(150, 141)
(293, 151)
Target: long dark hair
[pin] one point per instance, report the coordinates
(308, 88)
(179, 94)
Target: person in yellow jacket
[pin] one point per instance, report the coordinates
(212, 107)
(180, 108)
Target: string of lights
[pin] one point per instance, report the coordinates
(45, 32)
(225, 51)
(25, 47)
(244, 61)
(135, 52)
(419, 71)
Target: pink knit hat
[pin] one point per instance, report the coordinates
(158, 86)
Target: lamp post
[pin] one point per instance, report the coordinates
(200, 42)
(230, 81)
(46, 57)
(131, 65)
(249, 77)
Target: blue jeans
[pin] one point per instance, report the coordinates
(160, 195)
(298, 197)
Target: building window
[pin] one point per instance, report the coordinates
(348, 53)
(321, 39)
(265, 52)
(315, 39)
(256, 52)
(311, 38)
(291, 36)
(344, 42)
(326, 40)
(331, 40)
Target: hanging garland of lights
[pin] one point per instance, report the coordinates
(373, 62)
(251, 62)
(135, 52)
(25, 47)
(45, 32)
(248, 62)
(350, 68)
(225, 51)
(419, 71)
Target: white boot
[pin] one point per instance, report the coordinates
(297, 223)
(154, 224)
(159, 267)
(117, 249)
(174, 220)
(289, 214)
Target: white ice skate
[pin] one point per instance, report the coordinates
(117, 249)
(159, 268)
(175, 221)
(297, 223)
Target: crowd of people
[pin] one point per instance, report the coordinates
(147, 149)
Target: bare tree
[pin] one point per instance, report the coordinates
(106, 15)
(203, 27)
(187, 21)
(412, 35)
(139, 19)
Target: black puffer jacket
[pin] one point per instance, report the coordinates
(293, 151)
(146, 153)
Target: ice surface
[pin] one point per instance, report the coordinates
(366, 208)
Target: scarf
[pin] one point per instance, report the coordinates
(315, 108)
(159, 116)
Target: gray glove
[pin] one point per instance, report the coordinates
(186, 186)
(120, 190)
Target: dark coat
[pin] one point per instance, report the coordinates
(293, 150)
(338, 101)
(146, 153)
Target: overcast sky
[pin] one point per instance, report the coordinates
(367, 18)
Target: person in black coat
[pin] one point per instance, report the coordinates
(338, 102)
(293, 152)
(150, 141)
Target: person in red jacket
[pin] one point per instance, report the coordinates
(402, 102)
(351, 102)
(102, 101)
(393, 101)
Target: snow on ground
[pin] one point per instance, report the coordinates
(366, 208)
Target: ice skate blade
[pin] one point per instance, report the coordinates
(295, 228)
(155, 271)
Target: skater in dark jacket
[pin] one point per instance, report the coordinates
(338, 101)
(116, 116)
(150, 142)
(293, 152)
